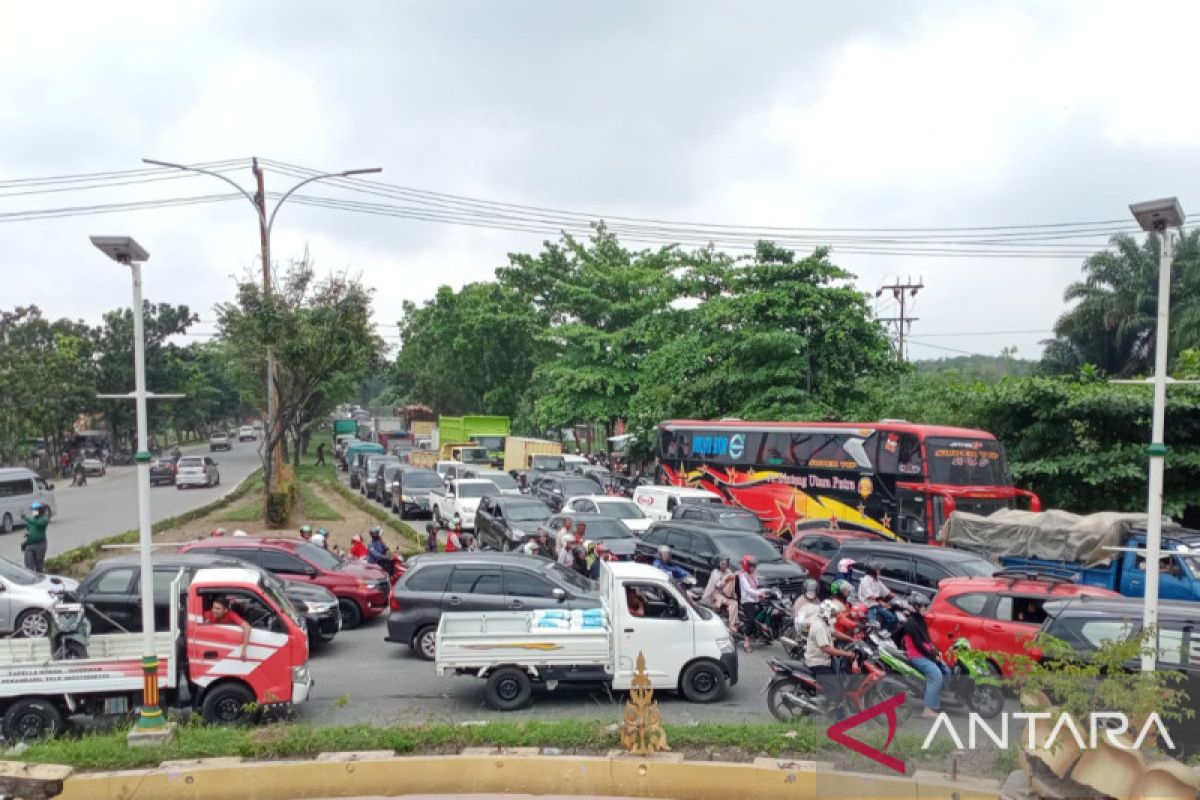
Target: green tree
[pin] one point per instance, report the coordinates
(321, 334)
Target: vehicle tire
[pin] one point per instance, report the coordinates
(32, 719)
(508, 689)
(987, 699)
(33, 623)
(227, 704)
(424, 643)
(888, 688)
(703, 682)
(6, 524)
(783, 709)
(74, 650)
(351, 614)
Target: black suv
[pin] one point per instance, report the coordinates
(437, 582)
(1086, 622)
(907, 567)
(506, 522)
(553, 490)
(719, 516)
(696, 547)
(410, 492)
(112, 593)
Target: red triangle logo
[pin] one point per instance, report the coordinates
(837, 732)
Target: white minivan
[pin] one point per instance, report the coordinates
(19, 487)
(658, 502)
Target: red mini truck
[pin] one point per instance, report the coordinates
(226, 682)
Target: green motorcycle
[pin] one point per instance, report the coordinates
(973, 683)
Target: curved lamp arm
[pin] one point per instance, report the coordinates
(230, 181)
(291, 191)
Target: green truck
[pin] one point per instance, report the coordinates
(488, 432)
(341, 426)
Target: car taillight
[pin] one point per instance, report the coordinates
(394, 603)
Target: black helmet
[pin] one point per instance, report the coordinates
(918, 600)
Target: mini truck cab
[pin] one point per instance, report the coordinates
(686, 648)
(201, 664)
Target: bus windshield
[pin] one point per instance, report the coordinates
(966, 462)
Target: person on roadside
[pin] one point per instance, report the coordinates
(875, 594)
(358, 550)
(320, 454)
(750, 594)
(601, 555)
(34, 543)
(378, 553)
(720, 593)
(221, 614)
(431, 538)
(64, 466)
(579, 561)
(306, 532)
(539, 545)
(806, 607)
(819, 652)
(924, 655)
(454, 538)
(667, 565)
(565, 536)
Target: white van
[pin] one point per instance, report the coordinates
(19, 487)
(658, 502)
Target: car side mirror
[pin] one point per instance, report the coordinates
(559, 594)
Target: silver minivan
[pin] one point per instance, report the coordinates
(19, 487)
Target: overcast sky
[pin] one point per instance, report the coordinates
(789, 114)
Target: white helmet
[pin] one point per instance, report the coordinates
(828, 610)
(845, 564)
(239, 532)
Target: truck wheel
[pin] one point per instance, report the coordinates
(33, 624)
(6, 524)
(424, 643)
(351, 614)
(30, 719)
(508, 689)
(228, 704)
(703, 682)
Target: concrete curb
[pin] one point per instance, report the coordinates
(376, 773)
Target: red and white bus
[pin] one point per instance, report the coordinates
(896, 478)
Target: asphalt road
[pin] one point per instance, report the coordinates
(108, 505)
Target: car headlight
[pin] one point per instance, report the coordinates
(300, 674)
(366, 584)
(318, 608)
(725, 645)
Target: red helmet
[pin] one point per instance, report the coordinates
(749, 561)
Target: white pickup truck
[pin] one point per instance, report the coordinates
(460, 497)
(687, 648)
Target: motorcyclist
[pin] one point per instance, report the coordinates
(579, 561)
(668, 566)
(431, 538)
(845, 569)
(306, 532)
(454, 542)
(721, 591)
(80, 474)
(358, 550)
(807, 605)
(601, 556)
(469, 545)
(875, 594)
(217, 532)
(318, 539)
(819, 653)
(924, 654)
(378, 553)
(750, 594)
(539, 545)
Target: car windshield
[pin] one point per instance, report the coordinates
(966, 462)
(572, 578)
(274, 589)
(526, 512)
(422, 479)
(620, 509)
(601, 529)
(483, 489)
(317, 555)
(501, 479)
(490, 442)
(739, 522)
(700, 500)
(737, 546)
(16, 573)
(473, 455)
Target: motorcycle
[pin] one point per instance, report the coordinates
(70, 630)
(972, 684)
(772, 620)
(793, 692)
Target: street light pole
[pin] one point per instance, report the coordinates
(1157, 216)
(125, 250)
(265, 224)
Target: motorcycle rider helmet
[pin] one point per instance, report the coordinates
(836, 587)
(239, 533)
(749, 562)
(810, 588)
(37, 506)
(828, 610)
(961, 643)
(456, 523)
(664, 551)
(845, 564)
(217, 532)
(375, 529)
(918, 600)
(305, 531)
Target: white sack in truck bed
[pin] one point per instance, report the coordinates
(1054, 535)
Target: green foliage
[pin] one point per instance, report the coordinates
(313, 507)
(327, 478)
(985, 369)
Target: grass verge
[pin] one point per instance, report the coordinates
(247, 512)
(63, 563)
(313, 507)
(109, 751)
(327, 478)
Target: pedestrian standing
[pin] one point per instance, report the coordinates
(321, 454)
(431, 538)
(64, 465)
(35, 535)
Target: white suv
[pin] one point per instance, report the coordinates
(621, 508)
(658, 502)
(196, 471)
(246, 433)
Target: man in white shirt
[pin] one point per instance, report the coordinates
(875, 593)
(819, 652)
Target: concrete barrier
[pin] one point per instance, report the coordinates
(381, 774)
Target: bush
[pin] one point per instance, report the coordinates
(281, 501)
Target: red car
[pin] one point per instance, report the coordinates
(813, 548)
(998, 614)
(361, 589)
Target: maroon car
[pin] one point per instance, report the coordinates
(361, 589)
(813, 548)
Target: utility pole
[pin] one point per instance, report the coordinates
(900, 291)
(264, 237)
